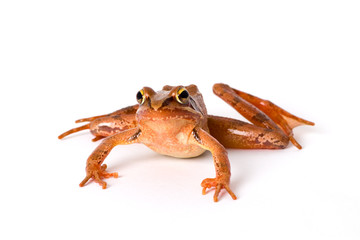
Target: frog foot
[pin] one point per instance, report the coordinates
(97, 174)
(218, 183)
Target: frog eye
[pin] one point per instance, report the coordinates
(140, 97)
(182, 95)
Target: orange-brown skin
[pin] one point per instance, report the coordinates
(174, 122)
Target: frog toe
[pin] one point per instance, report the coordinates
(98, 175)
(218, 184)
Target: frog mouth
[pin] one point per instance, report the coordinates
(167, 114)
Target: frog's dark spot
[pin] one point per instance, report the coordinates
(166, 102)
(135, 136)
(259, 117)
(110, 129)
(117, 117)
(129, 110)
(268, 144)
(196, 136)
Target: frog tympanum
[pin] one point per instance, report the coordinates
(174, 122)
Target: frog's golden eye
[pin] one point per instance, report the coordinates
(182, 96)
(140, 97)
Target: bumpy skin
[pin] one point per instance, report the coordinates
(174, 122)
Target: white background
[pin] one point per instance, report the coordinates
(64, 60)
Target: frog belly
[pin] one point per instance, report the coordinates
(175, 145)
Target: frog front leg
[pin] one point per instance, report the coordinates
(221, 162)
(94, 168)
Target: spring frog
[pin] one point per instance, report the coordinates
(174, 122)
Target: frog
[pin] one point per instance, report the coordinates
(174, 122)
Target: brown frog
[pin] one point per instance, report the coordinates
(174, 122)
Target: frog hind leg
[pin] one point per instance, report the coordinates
(97, 138)
(260, 112)
(84, 127)
(121, 119)
(90, 119)
(74, 130)
(233, 133)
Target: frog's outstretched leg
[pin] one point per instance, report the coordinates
(262, 113)
(106, 125)
(221, 162)
(97, 138)
(131, 110)
(94, 169)
(89, 119)
(233, 133)
(74, 130)
(285, 120)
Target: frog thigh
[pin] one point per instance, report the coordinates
(232, 133)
